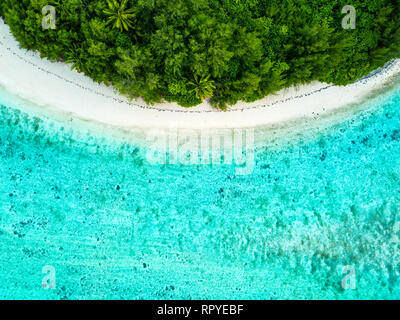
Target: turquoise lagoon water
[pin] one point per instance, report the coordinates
(114, 226)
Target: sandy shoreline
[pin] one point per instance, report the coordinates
(54, 85)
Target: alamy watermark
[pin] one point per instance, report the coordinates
(49, 17)
(49, 280)
(349, 20)
(349, 280)
(204, 147)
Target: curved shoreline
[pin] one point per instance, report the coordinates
(55, 86)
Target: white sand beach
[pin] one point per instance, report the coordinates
(54, 85)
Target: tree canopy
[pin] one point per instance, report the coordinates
(224, 50)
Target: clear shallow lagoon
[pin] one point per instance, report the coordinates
(114, 226)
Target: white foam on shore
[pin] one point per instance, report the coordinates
(55, 87)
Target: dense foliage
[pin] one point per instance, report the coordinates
(226, 50)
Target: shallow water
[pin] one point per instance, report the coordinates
(114, 226)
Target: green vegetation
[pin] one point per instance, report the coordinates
(204, 88)
(119, 15)
(225, 50)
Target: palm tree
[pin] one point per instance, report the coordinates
(73, 56)
(118, 15)
(203, 87)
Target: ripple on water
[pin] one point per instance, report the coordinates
(115, 226)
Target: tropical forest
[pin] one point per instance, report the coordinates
(222, 51)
